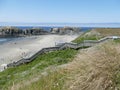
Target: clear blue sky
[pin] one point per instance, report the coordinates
(71, 11)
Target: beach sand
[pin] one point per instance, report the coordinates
(27, 46)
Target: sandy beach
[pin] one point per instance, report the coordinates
(27, 46)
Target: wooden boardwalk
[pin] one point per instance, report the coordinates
(85, 43)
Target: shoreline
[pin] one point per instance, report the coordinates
(27, 46)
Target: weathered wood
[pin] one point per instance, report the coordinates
(86, 43)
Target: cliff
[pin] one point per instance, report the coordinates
(14, 31)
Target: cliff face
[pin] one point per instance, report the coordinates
(65, 30)
(35, 31)
(13, 31)
(9, 31)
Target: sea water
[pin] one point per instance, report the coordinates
(5, 40)
(2, 40)
(83, 27)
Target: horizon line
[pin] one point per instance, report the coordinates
(60, 22)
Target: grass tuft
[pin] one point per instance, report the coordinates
(24, 72)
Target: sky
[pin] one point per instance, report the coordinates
(60, 11)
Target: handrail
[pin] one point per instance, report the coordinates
(85, 43)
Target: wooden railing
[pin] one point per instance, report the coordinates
(85, 43)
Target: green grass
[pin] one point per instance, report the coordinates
(103, 32)
(83, 37)
(26, 71)
(117, 40)
(53, 81)
(108, 31)
(116, 79)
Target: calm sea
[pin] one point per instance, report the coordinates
(83, 26)
(4, 40)
(47, 27)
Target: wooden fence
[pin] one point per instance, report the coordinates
(85, 43)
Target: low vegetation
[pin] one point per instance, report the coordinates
(95, 68)
(21, 73)
(117, 40)
(89, 35)
(97, 33)
(85, 72)
(53, 81)
(108, 31)
(82, 38)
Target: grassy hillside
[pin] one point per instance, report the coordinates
(34, 69)
(97, 33)
(108, 31)
(95, 68)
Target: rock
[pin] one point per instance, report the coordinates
(65, 30)
(13, 31)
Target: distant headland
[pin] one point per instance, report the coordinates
(12, 31)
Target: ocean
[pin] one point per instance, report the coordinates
(4, 40)
(47, 27)
(83, 26)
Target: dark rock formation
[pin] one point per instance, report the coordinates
(10, 31)
(13, 31)
(35, 31)
(65, 30)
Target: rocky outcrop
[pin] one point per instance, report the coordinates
(35, 31)
(13, 31)
(10, 31)
(65, 30)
